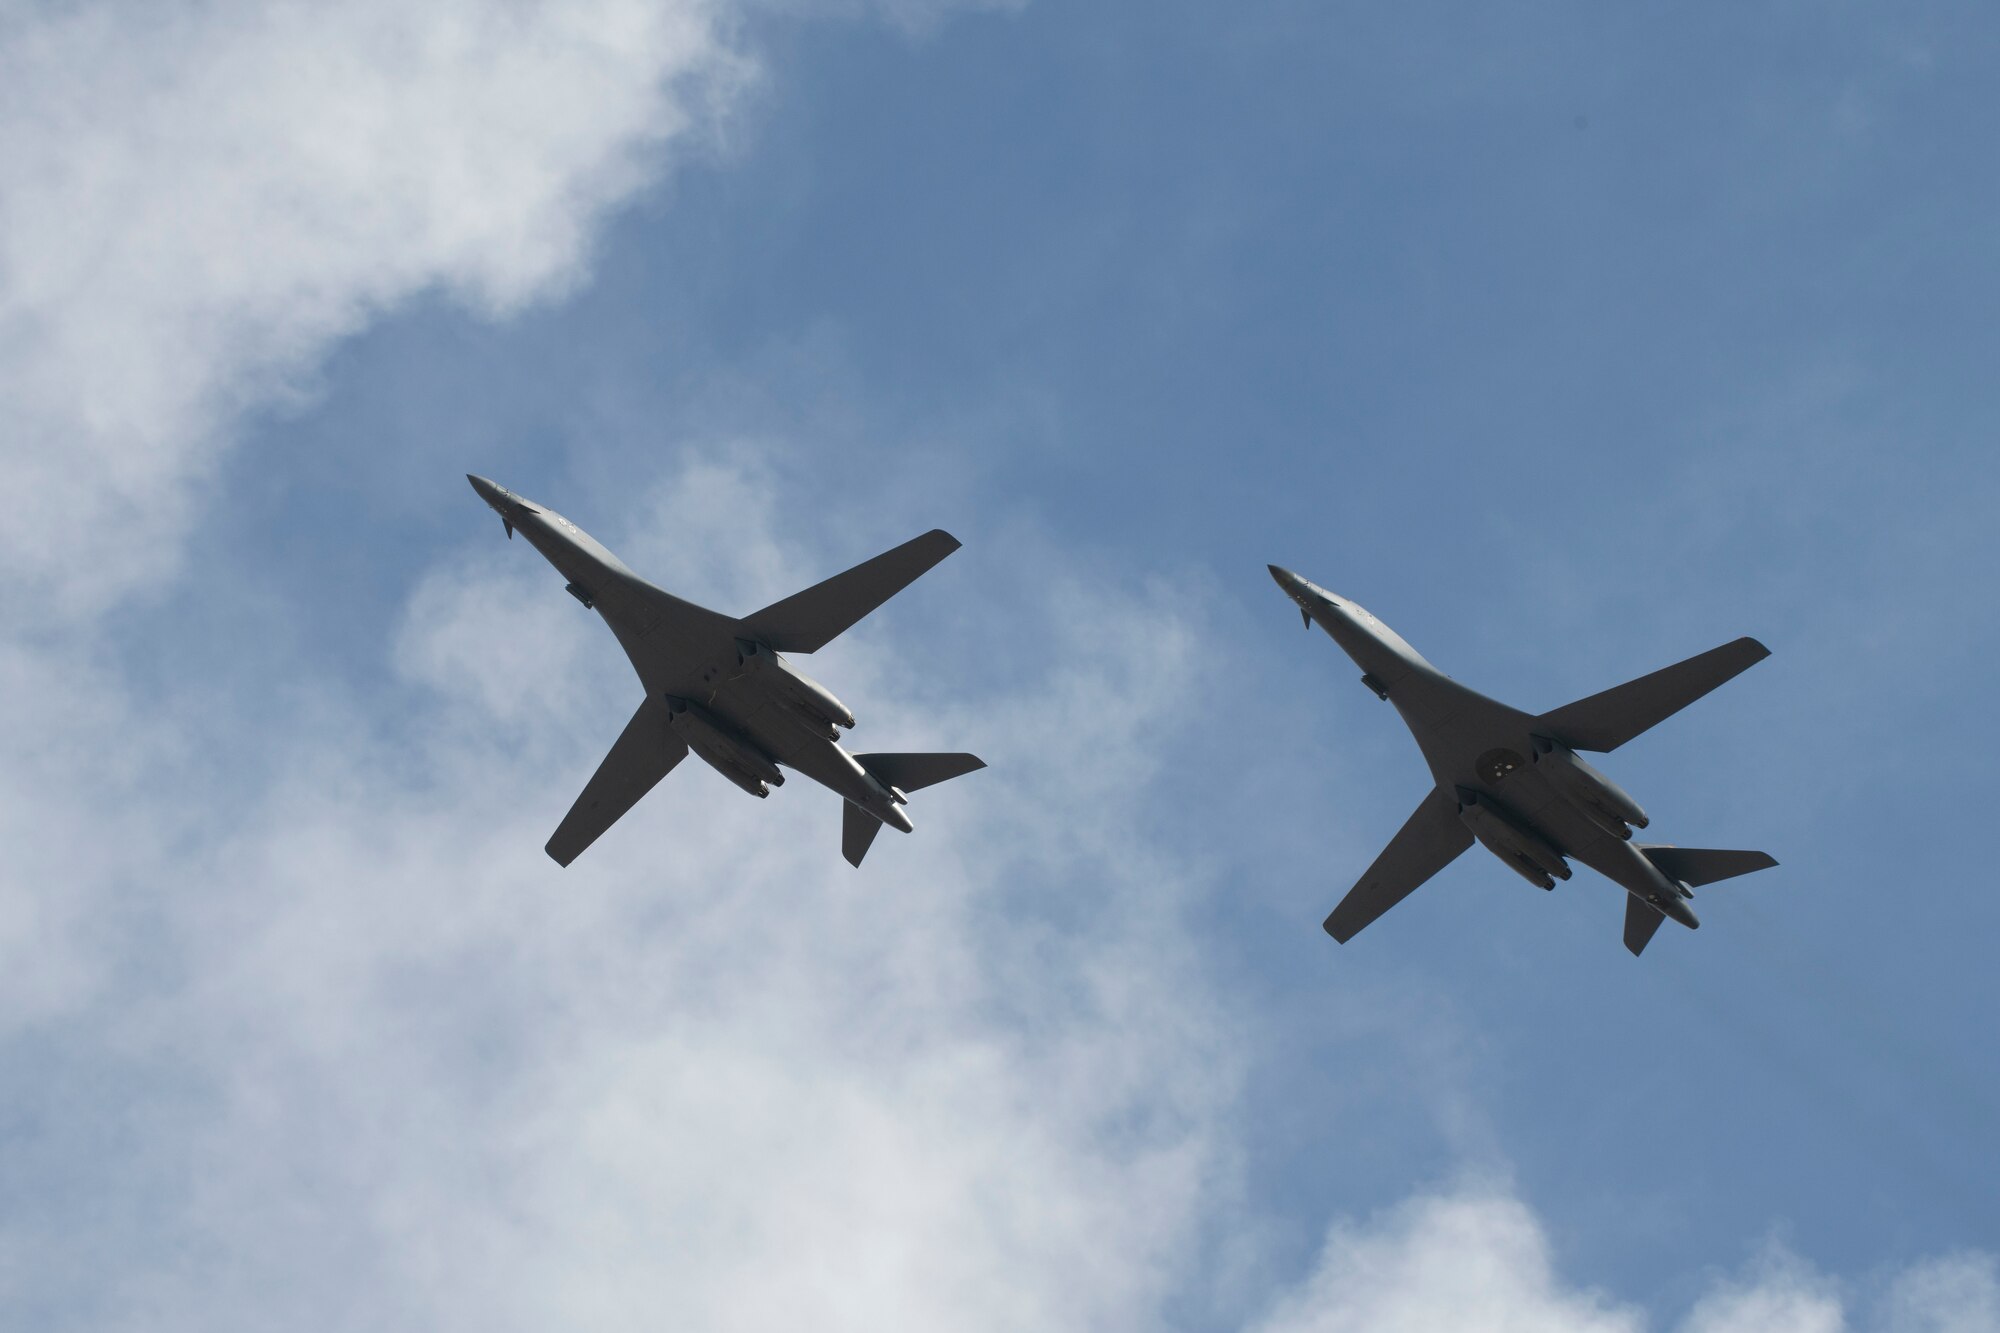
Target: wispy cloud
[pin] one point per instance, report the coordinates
(309, 1034)
(424, 1079)
(1480, 1260)
(202, 199)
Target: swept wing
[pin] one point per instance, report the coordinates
(644, 752)
(1607, 720)
(807, 621)
(1430, 839)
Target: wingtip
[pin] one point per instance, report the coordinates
(1751, 642)
(951, 543)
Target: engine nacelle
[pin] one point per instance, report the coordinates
(1599, 799)
(1526, 852)
(800, 695)
(722, 749)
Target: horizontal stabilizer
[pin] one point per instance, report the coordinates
(1430, 839)
(913, 772)
(1606, 721)
(807, 621)
(857, 830)
(1641, 920)
(1696, 866)
(644, 752)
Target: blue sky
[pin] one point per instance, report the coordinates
(1569, 342)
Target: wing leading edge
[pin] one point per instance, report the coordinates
(644, 752)
(807, 621)
(1606, 720)
(1430, 839)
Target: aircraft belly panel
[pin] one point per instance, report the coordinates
(780, 736)
(759, 716)
(1622, 864)
(1454, 726)
(1531, 798)
(1546, 812)
(1550, 811)
(675, 663)
(775, 729)
(832, 767)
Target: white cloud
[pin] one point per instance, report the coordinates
(1480, 1261)
(358, 1055)
(1781, 1295)
(912, 16)
(1958, 1293)
(1476, 1263)
(313, 1036)
(710, 1076)
(201, 198)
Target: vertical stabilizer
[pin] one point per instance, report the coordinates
(1641, 920)
(857, 832)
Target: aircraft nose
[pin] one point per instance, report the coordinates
(488, 492)
(1300, 590)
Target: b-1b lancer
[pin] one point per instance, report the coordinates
(1514, 781)
(722, 688)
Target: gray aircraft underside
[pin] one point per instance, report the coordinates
(721, 687)
(1513, 781)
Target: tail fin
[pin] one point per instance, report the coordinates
(807, 621)
(1607, 720)
(1696, 866)
(913, 772)
(857, 830)
(1641, 920)
(906, 773)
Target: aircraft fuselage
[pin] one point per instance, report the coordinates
(1526, 797)
(740, 706)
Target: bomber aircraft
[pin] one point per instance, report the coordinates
(722, 688)
(1515, 782)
